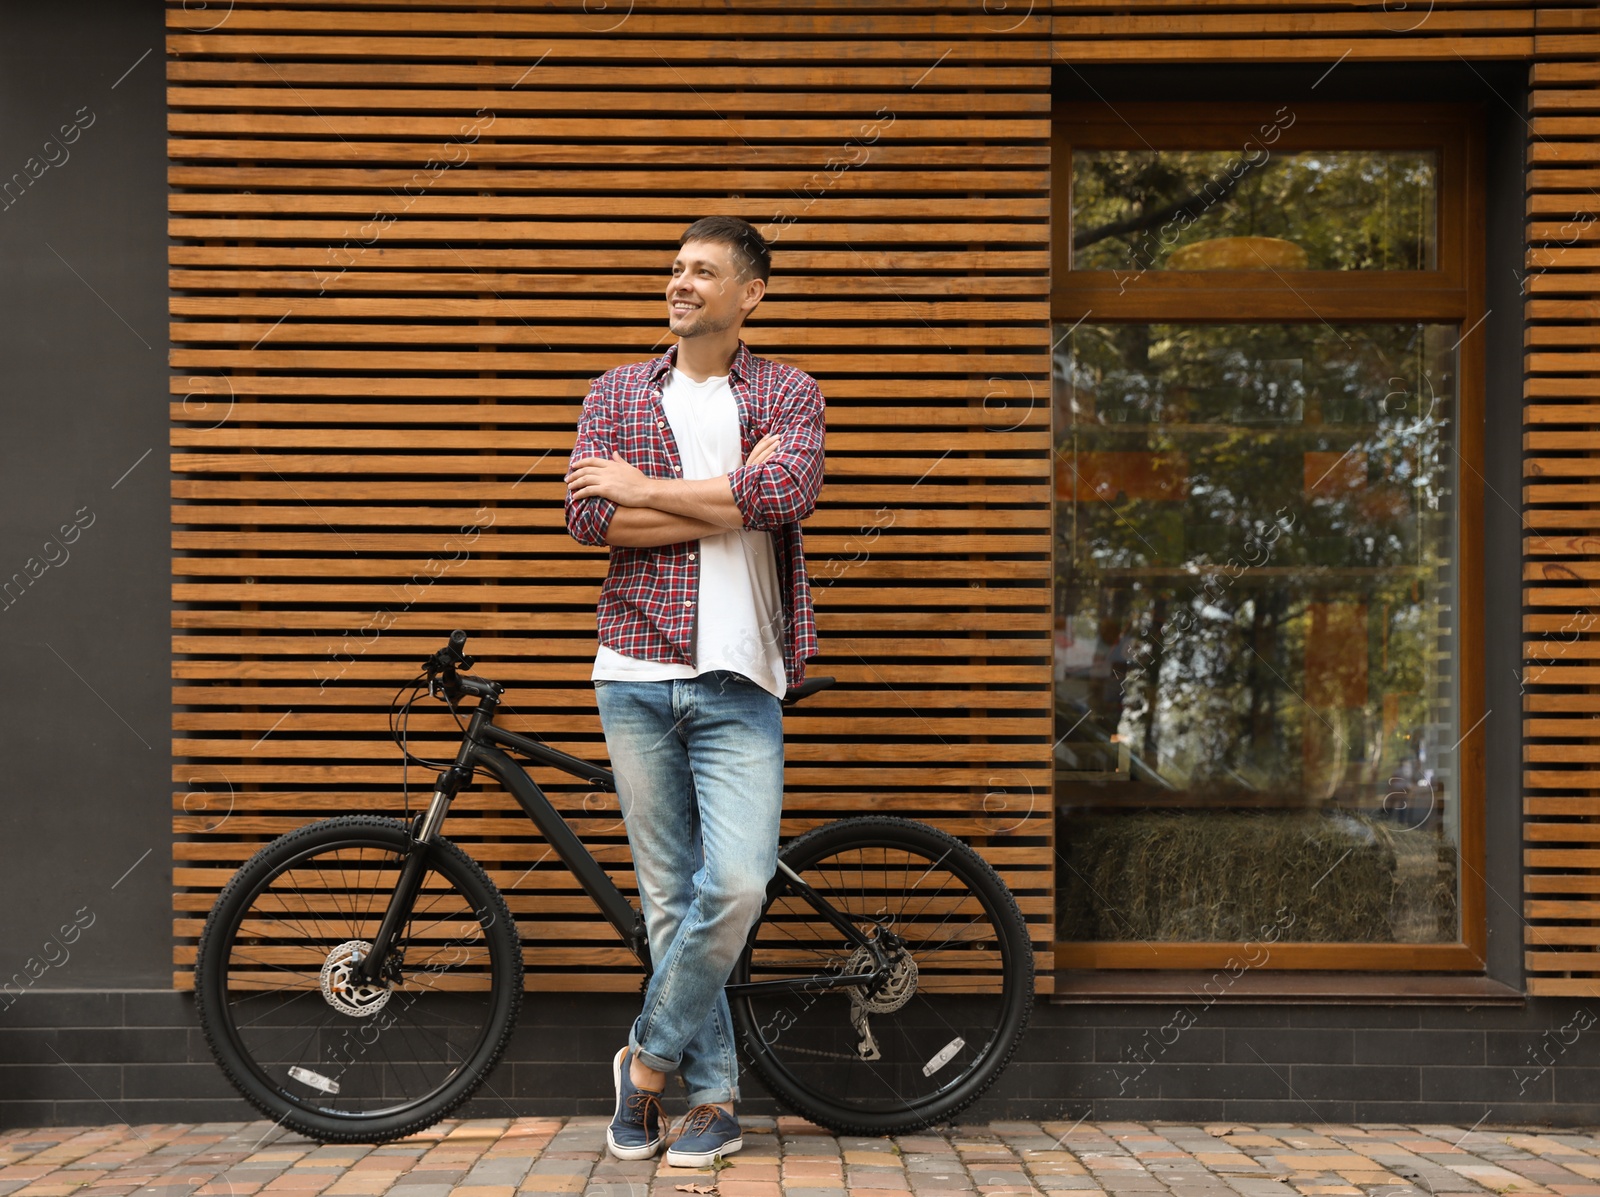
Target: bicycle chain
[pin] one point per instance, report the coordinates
(811, 1051)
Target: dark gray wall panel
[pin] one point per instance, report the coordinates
(83, 335)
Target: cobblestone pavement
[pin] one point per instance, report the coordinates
(792, 1158)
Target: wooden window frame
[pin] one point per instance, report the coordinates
(1451, 293)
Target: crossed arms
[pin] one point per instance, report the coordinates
(610, 501)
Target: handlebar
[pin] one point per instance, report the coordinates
(442, 668)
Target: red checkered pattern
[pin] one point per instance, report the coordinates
(648, 600)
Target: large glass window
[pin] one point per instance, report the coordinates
(1255, 701)
(1267, 505)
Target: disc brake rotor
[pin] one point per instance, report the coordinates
(342, 991)
(897, 989)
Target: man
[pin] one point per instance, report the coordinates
(697, 468)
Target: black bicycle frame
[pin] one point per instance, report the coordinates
(481, 747)
(594, 880)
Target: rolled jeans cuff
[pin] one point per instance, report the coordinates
(697, 1097)
(701, 1097)
(649, 1059)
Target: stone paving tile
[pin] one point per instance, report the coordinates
(788, 1157)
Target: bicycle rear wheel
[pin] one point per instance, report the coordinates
(933, 1038)
(333, 1060)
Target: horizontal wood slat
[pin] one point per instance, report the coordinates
(1318, 30)
(573, 45)
(405, 238)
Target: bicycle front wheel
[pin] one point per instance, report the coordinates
(307, 1045)
(933, 1036)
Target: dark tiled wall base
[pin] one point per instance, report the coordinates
(91, 1057)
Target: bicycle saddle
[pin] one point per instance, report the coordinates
(805, 689)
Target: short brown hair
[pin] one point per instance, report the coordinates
(754, 258)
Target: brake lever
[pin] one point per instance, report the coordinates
(441, 675)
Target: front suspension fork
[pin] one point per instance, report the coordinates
(370, 969)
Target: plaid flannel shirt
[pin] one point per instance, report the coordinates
(650, 597)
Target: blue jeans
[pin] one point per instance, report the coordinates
(699, 766)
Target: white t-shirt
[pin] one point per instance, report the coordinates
(739, 623)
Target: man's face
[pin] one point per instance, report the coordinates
(705, 294)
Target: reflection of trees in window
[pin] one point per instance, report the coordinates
(1337, 209)
(1257, 539)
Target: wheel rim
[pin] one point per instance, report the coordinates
(933, 1042)
(291, 942)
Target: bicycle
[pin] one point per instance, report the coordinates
(359, 977)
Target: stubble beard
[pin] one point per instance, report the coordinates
(701, 327)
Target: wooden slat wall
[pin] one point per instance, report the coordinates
(406, 235)
(340, 408)
(1561, 502)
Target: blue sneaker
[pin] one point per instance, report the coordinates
(636, 1130)
(708, 1132)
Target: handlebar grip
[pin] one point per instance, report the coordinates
(458, 639)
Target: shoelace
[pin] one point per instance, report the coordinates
(639, 1103)
(700, 1119)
